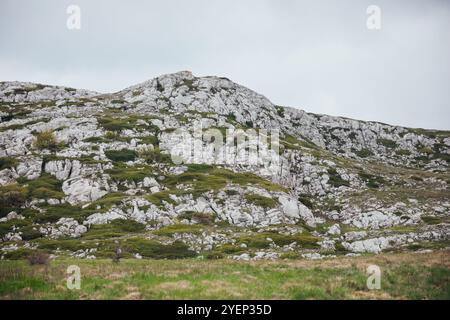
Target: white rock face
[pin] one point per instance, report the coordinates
(376, 245)
(104, 218)
(312, 256)
(65, 227)
(149, 182)
(243, 257)
(354, 235)
(29, 167)
(83, 190)
(7, 176)
(294, 209)
(374, 220)
(12, 236)
(12, 216)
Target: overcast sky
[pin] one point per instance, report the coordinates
(315, 55)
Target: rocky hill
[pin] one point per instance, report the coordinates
(83, 173)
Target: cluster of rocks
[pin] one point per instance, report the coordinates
(259, 255)
(322, 173)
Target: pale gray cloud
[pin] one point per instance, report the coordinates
(315, 55)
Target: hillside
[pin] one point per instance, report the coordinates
(83, 173)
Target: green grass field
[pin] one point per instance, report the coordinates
(404, 276)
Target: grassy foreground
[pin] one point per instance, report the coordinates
(404, 276)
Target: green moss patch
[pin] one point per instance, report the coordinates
(170, 230)
(261, 201)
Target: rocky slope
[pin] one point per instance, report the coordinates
(83, 173)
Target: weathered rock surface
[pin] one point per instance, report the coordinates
(336, 184)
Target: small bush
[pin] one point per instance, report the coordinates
(306, 200)
(231, 192)
(115, 228)
(364, 153)
(45, 187)
(11, 197)
(228, 248)
(54, 212)
(154, 155)
(46, 140)
(213, 255)
(403, 152)
(198, 217)
(340, 248)
(118, 254)
(94, 139)
(30, 233)
(7, 162)
(122, 172)
(19, 254)
(39, 257)
(108, 200)
(290, 255)
(425, 150)
(259, 240)
(121, 155)
(336, 180)
(261, 201)
(178, 228)
(387, 143)
(68, 244)
(158, 198)
(431, 220)
(111, 124)
(150, 140)
(156, 250)
(372, 181)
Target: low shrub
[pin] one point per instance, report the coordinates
(372, 181)
(115, 228)
(213, 255)
(46, 140)
(45, 187)
(123, 173)
(62, 244)
(260, 240)
(53, 213)
(431, 219)
(261, 201)
(364, 153)
(11, 197)
(403, 152)
(30, 233)
(7, 162)
(154, 155)
(336, 180)
(155, 250)
(116, 124)
(198, 217)
(39, 257)
(387, 143)
(19, 254)
(170, 230)
(121, 155)
(306, 200)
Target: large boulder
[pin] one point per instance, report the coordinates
(292, 208)
(84, 190)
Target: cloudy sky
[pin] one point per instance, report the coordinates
(316, 55)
